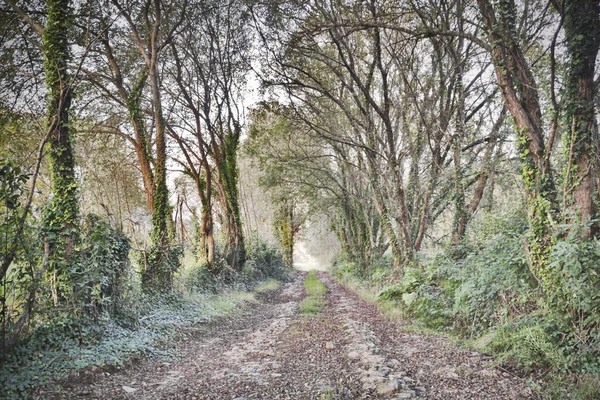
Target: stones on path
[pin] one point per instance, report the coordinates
(408, 394)
(129, 389)
(388, 386)
(446, 373)
(251, 358)
(378, 374)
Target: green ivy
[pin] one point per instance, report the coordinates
(61, 217)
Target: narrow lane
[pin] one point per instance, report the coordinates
(349, 351)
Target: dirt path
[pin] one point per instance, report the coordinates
(350, 351)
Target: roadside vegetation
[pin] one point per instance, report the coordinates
(487, 299)
(137, 325)
(458, 169)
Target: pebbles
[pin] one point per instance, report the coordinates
(377, 373)
(260, 344)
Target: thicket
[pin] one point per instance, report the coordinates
(485, 292)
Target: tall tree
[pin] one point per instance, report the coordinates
(210, 70)
(62, 215)
(157, 32)
(521, 95)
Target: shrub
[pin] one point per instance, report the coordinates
(492, 284)
(198, 278)
(529, 344)
(101, 279)
(573, 297)
(264, 262)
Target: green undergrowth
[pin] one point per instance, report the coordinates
(483, 295)
(315, 291)
(55, 351)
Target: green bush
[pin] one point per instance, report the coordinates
(527, 343)
(493, 284)
(343, 266)
(486, 286)
(573, 297)
(198, 278)
(263, 262)
(158, 264)
(104, 265)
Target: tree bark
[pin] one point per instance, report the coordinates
(582, 33)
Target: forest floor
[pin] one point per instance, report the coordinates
(271, 351)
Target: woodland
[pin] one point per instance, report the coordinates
(161, 158)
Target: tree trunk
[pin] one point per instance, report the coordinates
(519, 91)
(235, 250)
(207, 240)
(161, 263)
(142, 145)
(62, 216)
(582, 33)
(133, 103)
(482, 181)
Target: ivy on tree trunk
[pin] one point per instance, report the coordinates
(61, 218)
(581, 142)
(520, 94)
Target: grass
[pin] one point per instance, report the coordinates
(582, 387)
(313, 286)
(312, 305)
(368, 291)
(315, 290)
(328, 394)
(270, 285)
